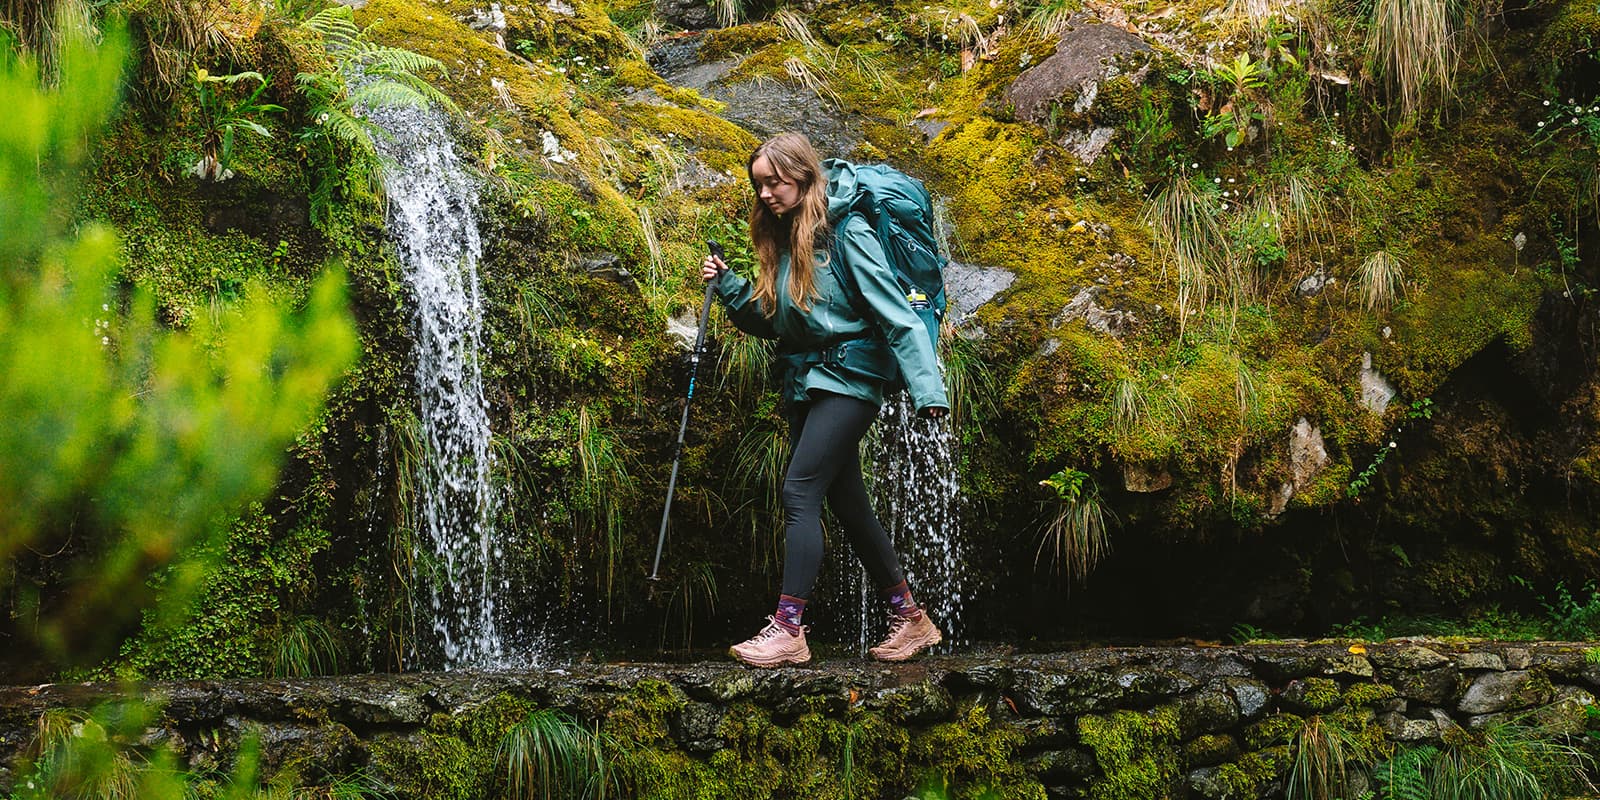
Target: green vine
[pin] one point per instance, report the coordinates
(1422, 409)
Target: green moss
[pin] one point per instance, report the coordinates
(974, 757)
(1254, 771)
(1137, 753)
(722, 42)
(1277, 729)
(1367, 694)
(1321, 694)
(426, 766)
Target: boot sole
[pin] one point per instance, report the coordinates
(770, 663)
(925, 643)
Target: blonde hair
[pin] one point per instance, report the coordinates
(802, 231)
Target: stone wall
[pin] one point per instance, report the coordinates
(1109, 723)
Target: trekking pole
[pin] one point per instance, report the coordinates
(683, 424)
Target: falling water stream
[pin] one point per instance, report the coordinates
(433, 207)
(913, 473)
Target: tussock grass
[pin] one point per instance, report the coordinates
(1185, 221)
(694, 589)
(606, 486)
(1412, 47)
(1325, 756)
(742, 366)
(302, 647)
(1128, 406)
(1510, 762)
(1049, 18)
(1380, 280)
(1076, 535)
(811, 77)
(759, 466)
(551, 756)
(969, 382)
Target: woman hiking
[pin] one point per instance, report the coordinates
(829, 297)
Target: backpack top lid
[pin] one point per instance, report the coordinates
(901, 212)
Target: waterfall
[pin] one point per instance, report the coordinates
(918, 497)
(432, 212)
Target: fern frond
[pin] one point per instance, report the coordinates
(336, 22)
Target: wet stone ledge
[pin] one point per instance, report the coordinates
(1206, 722)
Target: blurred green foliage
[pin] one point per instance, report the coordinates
(129, 445)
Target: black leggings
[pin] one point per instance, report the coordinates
(826, 437)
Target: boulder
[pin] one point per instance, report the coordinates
(1436, 686)
(1145, 478)
(1406, 658)
(1085, 56)
(690, 15)
(1493, 692)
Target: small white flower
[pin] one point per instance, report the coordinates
(1541, 124)
(1230, 180)
(105, 340)
(105, 306)
(1394, 444)
(1216, 180)
(1547, 102)
(1195, 165)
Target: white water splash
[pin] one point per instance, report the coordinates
(433, 206)
(914, 486)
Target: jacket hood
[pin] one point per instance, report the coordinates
(841, 187)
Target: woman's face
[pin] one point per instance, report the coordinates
(778, 191)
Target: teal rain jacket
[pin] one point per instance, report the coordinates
(833, 347)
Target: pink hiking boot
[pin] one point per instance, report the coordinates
(907, 637)
(774, 646)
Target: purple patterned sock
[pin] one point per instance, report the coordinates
(789, 611)
(899, 597)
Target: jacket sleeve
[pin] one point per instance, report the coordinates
(901, 327)
(738, 296)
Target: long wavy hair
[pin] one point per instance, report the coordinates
(802, 231)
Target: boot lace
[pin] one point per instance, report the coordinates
(774, 627)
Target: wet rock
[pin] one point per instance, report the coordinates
(767, 108)
(1056, 694)
(1504, 691)
(1085, 56)
(1251, 697)
(968, 286)
(1207, 711)
(1566, 663)
(1145, 478)
(1083, 306)
(1408, 658)
(325, 749)
(1210, 750)
(1436, 686)
(695, 727)
(1072, 764)
(930, 128)
(1207, 782)
(608, 267)
(1283, 664)
(690, 15)
(1043, 733)
(915, 703)
(1376, 392)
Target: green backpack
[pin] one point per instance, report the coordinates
(900, 211)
